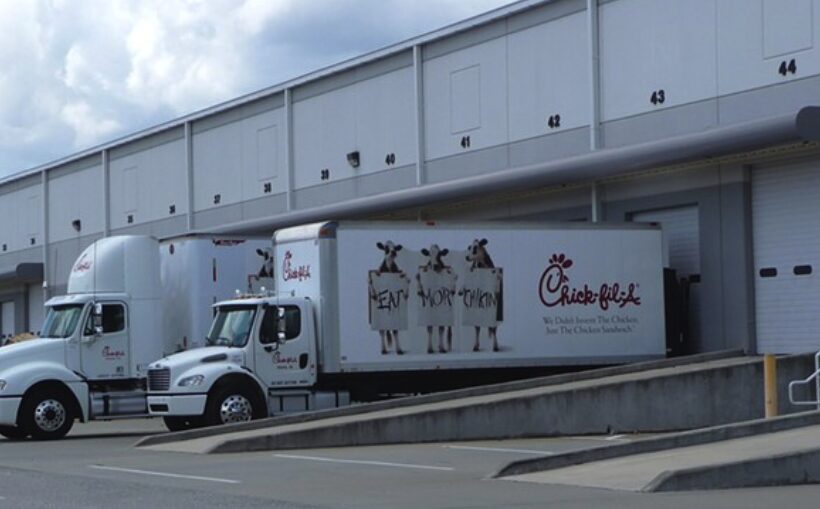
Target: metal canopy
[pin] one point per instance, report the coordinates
(804, 125)
(22, 273)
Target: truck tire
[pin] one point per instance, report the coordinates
(13, 433)
(46, 415)
(228, 405)
(182, 423)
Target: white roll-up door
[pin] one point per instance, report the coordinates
(786, 233)
(681, 246)
(7, 317)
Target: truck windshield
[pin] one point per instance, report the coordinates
(232, 326)
(61, 321)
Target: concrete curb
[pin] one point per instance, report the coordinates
(780, 470)
(437, 397)
(672, 441)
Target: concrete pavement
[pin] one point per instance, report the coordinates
(663, 443)
(742, 462)
(99, 468)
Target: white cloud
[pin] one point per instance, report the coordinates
(88, 125)
(76, 74)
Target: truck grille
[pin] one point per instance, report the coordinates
(159, 379)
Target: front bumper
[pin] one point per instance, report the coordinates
(177, 404)
(8, 410)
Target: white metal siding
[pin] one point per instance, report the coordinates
(7, 225)
(648, 46)
(147, 183)
(31, 222)
(375, 117)
(262, 158)
(786, 219)
(324, 131)
(549, 75)
(756, 36)
(681, 243)
(75, 196)
(21, 213)
(465, 94)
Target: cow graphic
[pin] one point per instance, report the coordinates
(436, 287)
(267, 263)
(482, 293)
(388, 289)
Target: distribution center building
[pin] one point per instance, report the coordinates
(695, 114)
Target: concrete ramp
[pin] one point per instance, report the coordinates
(664, 396)
(771, 459)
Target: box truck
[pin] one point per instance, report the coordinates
(130, 301)
(361, 310)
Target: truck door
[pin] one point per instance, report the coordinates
(106, 355)
(285, 350)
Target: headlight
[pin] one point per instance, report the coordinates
(2, 384)
(190, 381)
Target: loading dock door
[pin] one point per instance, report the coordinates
(786, 233)
(7, 317)
(681, 246)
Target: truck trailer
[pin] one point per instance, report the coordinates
(365, 309)
(130, 301)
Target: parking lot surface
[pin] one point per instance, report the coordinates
(98, 467)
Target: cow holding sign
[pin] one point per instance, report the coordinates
(482, 293)
(389, 289)
(436, 287)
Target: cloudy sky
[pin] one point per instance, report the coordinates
(76, 73)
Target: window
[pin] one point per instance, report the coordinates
(291, 323)
(61, 321)
(113, 320)
(232, 326)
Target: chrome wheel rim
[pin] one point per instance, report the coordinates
(235, 408)
(49, 415)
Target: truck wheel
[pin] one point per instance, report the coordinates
(12, 433)
(46, 415)
(181, 423)
(228, 405)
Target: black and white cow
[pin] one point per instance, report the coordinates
(389, 266)
(435, 263)
(479, 258)
(391, 251)
(267, 263)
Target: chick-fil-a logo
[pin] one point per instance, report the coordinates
(110, 354)
(554, 289)
(83, 264)
(300, 273)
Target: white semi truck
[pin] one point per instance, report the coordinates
(130, 301)
(361, 310)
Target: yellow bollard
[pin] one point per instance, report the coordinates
(770, 384)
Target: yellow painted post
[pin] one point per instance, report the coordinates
(770, 384)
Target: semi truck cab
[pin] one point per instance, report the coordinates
(260, 359)
(131, 300)
(87, 365)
